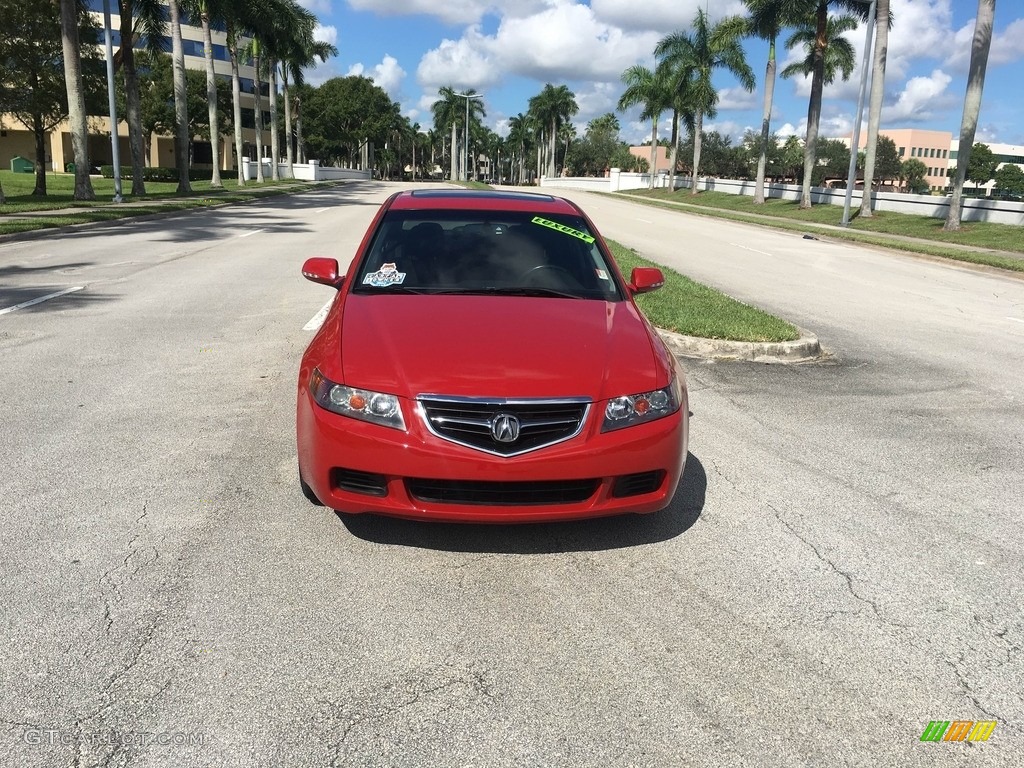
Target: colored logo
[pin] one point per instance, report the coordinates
(958, 730)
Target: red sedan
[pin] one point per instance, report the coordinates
(484, 361)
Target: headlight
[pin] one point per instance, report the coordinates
(628, 410)
(376, 407)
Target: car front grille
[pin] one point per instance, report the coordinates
(501, 493)
(478, 423)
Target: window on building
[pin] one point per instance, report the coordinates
(902, 151)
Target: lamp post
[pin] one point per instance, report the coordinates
(465, 138)
(114, 138)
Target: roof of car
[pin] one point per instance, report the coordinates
(481, 199)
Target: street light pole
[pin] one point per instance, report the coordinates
(114, 138)
(465, 138)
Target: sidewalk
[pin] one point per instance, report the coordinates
(816, 229)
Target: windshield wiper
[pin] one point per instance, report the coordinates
(520, 291)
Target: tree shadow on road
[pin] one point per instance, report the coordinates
(545, 538)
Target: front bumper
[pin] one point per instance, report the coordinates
(356, 467)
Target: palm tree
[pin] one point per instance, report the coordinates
(518, 135)
(139, 19)
(553, 106)
(815, 64)
(447, 110)
(648, 90)
(302, 51)
(202, 9)
(882, 24)
(69, 10)
(972, 107)
(181, 134)
(766, 21)
(695, 56)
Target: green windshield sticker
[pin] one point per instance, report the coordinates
(562, 228)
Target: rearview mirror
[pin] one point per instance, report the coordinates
(645, 279)
(323, 271)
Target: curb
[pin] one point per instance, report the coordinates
(804, 349)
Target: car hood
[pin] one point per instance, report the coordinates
(497, 346)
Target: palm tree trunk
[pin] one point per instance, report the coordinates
(76, 98)
(211, 96)
(972, 107)
(814, 105)
(654, 149)
(766, 118)
(673, 150)
(133, 106)
(454, 168)
(875, 105)
(554, 145)
(39, 131)
(697, 136)
(300, 146)
(289, 152)
(258, 95)
(236, 101)
(275, 146)
(181, 137)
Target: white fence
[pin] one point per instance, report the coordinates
(995, 211)
(311, 171)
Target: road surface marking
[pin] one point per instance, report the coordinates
(250, 234)
(745, 248)
(645, 221)
(1015, 319)
(41, 299)
(323, 209)
(318, 319)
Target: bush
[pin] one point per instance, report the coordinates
(159, 174)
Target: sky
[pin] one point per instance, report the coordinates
(508, 50)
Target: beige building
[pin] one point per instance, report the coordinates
(17, 139)
(661, 158)
(930, 147)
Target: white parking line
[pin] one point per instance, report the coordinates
(645, 221)
(318, 319)
(745, 248)
(323, 209)
(250, 234)
(1015, 319)
(41, 299)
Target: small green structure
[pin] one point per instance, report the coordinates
(20, 164)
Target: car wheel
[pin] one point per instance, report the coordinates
(308, 492)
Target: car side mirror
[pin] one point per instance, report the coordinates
(323, 271)
(645, 280)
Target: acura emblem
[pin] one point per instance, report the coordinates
(505, 428)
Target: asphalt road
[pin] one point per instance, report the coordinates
(842, 565)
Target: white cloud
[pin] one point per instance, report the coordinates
(387, 75)
(537, 47)
(661, 16)
(321, 73)
(451, 11)
(738, 98)
(728, 128)
(317, 6)
(1007, 46)
(326, 34)
(922, 99)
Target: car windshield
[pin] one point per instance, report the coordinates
(486, 252)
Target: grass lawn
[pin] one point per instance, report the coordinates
(786, 214)
(60, 196)
(690, 308)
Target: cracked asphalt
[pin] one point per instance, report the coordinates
(841, 565)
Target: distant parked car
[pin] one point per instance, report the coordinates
(484, 361)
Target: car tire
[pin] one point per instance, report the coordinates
(308, 493)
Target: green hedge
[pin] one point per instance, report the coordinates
(159, 174)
